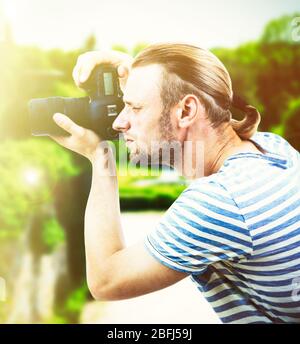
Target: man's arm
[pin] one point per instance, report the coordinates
(114, 271)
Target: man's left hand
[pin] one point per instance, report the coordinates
(81, 140)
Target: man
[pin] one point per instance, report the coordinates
(235, 230)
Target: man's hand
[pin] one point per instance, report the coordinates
(88, 61)
(114, 272)
(82, 141)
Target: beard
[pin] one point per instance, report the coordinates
(163, 151)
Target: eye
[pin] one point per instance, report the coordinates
(136, 109)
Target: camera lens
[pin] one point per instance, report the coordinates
(41, 113)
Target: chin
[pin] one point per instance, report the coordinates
(136, 155)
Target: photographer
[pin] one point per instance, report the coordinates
(235, 230)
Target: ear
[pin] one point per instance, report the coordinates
(188, 110)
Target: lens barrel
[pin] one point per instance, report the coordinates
(41, 111)
(96, 112)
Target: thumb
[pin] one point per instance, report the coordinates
(67, 124)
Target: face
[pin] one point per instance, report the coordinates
(142, 121)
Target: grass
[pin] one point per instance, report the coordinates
(139, 190)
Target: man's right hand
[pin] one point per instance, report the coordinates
(88, 61)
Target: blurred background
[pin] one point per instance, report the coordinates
(44, 188)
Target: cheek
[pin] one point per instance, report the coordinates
(144, 124)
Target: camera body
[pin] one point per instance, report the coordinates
(97, 111)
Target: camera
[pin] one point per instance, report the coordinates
(97, 111)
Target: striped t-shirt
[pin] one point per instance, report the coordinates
(237, 233)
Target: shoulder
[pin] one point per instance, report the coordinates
(276, 144)
(203, 226)
(208, 199)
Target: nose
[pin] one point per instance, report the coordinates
(121, 123)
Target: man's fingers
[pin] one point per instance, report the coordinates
(85, 71)
(75, 74)
(58, 139)
(82, 74)
(67, 124)
(123, 71)
(89, 60)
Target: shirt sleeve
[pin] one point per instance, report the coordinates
(202, 227)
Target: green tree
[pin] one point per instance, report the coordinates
(138, 47)
(29, 171)
(280, 30)
(120, 47)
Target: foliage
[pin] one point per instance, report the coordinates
(141, 188)
(52, 233)
(265, 72)
(138, 47)
(267, 76)
(121, 48)
(280, 30)
(77, 299)
(26, 73)
(134, 51)
(290, 123)
(70, 311)
(29, 171)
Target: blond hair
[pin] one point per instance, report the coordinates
(188, 69)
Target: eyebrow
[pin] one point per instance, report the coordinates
(132, 103)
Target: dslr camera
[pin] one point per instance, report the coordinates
(97, 111)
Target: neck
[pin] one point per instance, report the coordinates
(218, 150)
(207, 152)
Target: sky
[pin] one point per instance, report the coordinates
(66, 24)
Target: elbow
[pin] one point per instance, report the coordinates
(97, 290)
(107, 292)
(101, 290)
(95, 293)
(97, 283)
(105, 286)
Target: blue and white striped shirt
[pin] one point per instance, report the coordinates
(237, 233)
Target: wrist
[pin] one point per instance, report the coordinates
(103, 160)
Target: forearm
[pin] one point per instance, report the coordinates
(103, 232)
